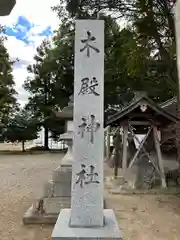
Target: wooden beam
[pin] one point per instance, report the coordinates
(125, 136)
(140, 147)
(142, 114)
(159, 156)
(139, 123)
(147, 154)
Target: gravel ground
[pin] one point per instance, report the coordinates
(21, 180)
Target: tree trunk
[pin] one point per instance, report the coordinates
(178, 131)
(46, 139)
(23, 146)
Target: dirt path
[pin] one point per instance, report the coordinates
(146, 217)
(22, 177)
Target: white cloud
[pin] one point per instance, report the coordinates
(40, 15)
(19, 49)
(36, 11)
(20, 75)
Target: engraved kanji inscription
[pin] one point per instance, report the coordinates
(90, 128)
(92, 176)
(88, 45)
(89, 86)
(87, 175)
(81, 176)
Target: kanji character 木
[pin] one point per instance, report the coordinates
(88, 46)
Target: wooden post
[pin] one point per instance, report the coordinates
(105, 143)
(117, 146)
(160, 162)
(125, 136)
(108, 132)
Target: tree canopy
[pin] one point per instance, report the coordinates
(8, 101)
(152, 27)
(139, 55)
(21, 128)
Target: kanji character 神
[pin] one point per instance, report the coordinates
(92, 127)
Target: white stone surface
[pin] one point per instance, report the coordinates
(62, 189)
(70, 126)
(108, 232)
(88, 147)
(48, 189)
(55, 204)
(62, 174)
(68, 139)
(52, 144)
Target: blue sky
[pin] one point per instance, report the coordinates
(22, 27)
(27, 25)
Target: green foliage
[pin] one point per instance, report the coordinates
(44, 97)
(50, 84)
(148, 41)
(8, 103)
(137, 57)
(55, 125)
(21, 128)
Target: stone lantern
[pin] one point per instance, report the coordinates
(67, 115)
(6, 7)
(57, 191)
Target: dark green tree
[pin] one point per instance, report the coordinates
(41, 86)
(8, 101)
(129, 64)
(151, 21)
(21, 128)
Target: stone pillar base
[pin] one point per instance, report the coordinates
(62, 230)
(56, 196)
(31, 217)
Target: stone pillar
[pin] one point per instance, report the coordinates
(88, 149)
(87, 219)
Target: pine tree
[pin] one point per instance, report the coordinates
(8, 101)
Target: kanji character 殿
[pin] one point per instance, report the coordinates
(89, 87)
